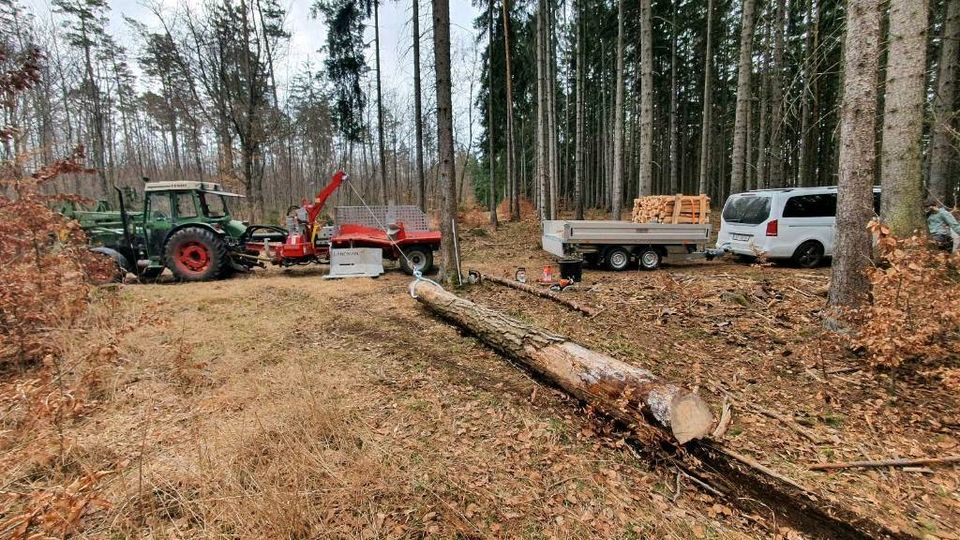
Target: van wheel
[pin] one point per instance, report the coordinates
(809, 254)
(617, 258)
(649, 259)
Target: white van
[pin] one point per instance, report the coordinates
(788, 223)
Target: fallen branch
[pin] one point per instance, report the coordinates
(726, 416)
(785, 420)
(628, 393)
(542, 293)
(757, 488)
(906, 462)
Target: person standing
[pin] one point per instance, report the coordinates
(943, 227)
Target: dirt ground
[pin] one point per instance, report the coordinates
(282, 405)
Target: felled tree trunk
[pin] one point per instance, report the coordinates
(628, 393)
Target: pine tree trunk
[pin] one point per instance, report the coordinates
(646, 100)
(580, 166)
(901, 165)
(674, 186)
(707, 103)
(512, 182)
(551, 91)
(804, 175)
(382, 166)
(944, 143)
(448, 194)
(543, 167)
(618, 139)
(775, 154)
(490, 154)
(849, 286)
(738, 165)
(418, 109)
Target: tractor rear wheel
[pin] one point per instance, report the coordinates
(195, 254)
(416, 258)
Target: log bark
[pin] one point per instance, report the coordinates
(628, 393)
(542, 293)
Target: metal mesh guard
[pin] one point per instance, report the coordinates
(379, 216)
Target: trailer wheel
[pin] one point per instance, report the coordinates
(649, 258)
(195, 254)
(617, 258)
(416, 258)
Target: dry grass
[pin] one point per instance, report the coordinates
(284, 406)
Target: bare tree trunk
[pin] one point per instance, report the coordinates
(382, 167)
(707, 102)
(743, 97)
(804, 176)
(551, 88)
(448, 201)
(674, 185)
(418, 109)
(760, 172)
(513, 184)
(646, 100)
(491, 161)
(580, 166)
(543, 200)
(99, 151)
(775, 154)
(617, 186)
(849, 286)
(901, 161)
(943, 145)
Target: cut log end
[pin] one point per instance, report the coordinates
(690, 418)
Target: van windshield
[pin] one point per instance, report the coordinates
(747, 209)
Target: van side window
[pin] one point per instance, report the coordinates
(808, 206)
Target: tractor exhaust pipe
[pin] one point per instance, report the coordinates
(125, 220)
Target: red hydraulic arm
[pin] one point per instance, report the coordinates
(313, 210)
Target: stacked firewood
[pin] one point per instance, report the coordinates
(672, 209)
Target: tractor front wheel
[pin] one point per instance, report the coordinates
(195, 254)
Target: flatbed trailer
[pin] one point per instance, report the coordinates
(617, 244)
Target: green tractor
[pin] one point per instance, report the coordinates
(184, 226)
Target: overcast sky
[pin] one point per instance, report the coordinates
(308, 35)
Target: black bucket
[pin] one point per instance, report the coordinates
(571, 269)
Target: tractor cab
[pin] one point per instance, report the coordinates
(187, 227)
(172, 205)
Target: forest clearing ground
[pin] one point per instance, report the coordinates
(753, 333)
(283, 405)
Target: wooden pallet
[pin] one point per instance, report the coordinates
(672, 209)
